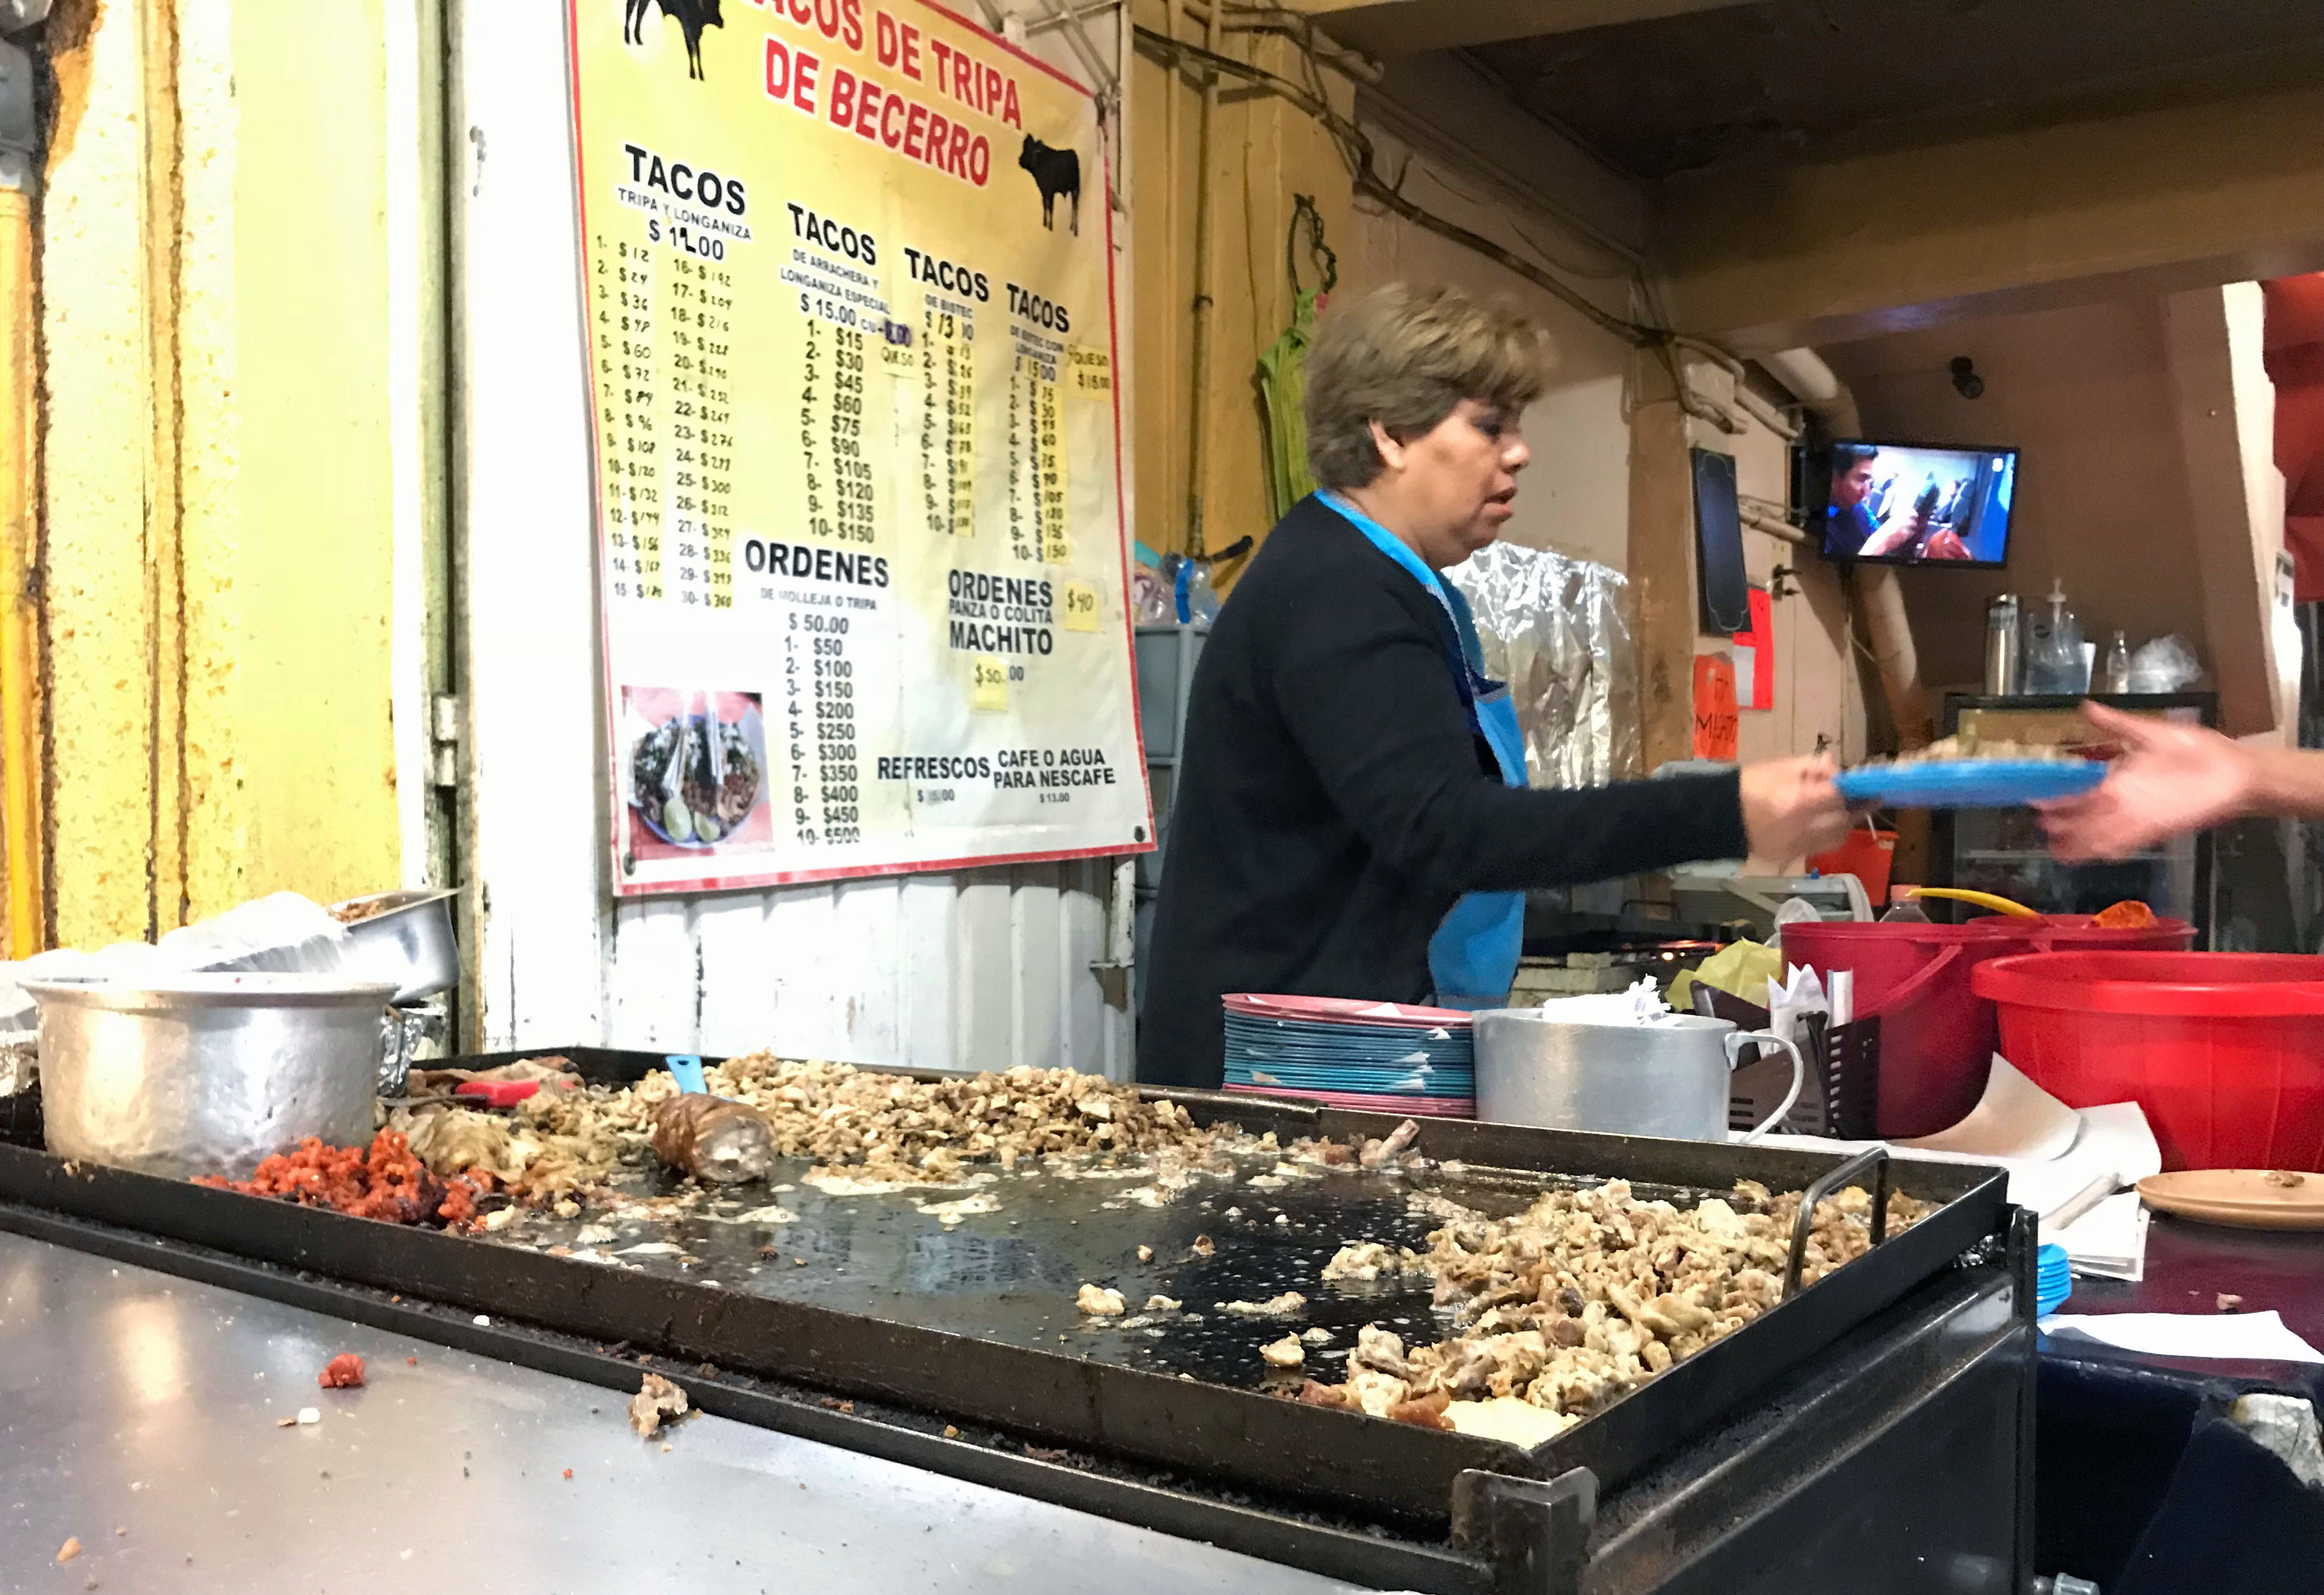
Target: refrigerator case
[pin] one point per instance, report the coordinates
(2001, 851)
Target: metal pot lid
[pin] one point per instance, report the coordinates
(231, 989)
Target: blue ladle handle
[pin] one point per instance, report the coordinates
(686, 1069)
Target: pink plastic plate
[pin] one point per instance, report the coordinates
(1360, 1102)
(1346, 1010)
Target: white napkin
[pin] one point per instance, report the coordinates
(2019, 1127)
(2239, 1336)
(1641, 1006)
(2109, 1241)
(2015, 1119)
(1789, 1001)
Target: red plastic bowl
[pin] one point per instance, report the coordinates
(2225, 1051)
(2081, 933)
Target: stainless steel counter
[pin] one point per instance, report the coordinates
(132, 1401)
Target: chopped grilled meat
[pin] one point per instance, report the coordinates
(1332, 1395)
(1098, 1302)
(1588, 1293)
(657, 1398)
(1425, 1412)
(1377, 1153)
(1366, 1261)
(1286, 1352)
(1289, 1304)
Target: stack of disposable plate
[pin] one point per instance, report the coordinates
(1377, 1057)
(2053, 1279)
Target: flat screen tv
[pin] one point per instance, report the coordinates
(1910, 503)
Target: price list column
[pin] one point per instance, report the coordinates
(832, 380)
(1049, 467)
(1024, 533)
(1037, 467)
(819, 716)
(948, 437)
(701, 301)
(630, 473)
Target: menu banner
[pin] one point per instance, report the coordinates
(848, 276)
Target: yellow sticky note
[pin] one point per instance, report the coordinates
(991, 689)
(1089, 373)
(1081, 607)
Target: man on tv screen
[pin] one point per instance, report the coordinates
(1848, 521)
(1918, 525)
(1916, 534)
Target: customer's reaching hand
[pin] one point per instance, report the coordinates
(2171, 778)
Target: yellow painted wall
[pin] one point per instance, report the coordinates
(98, 625)
(216, 501)
(1262, 151)
(297, 595)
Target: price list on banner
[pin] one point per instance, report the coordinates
(947, 407)
(848, 272)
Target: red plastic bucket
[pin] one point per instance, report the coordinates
(1868, 855)
(2225, 1051)
(2081, 933)
(1937, 1036)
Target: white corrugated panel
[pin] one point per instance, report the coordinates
(980, 969)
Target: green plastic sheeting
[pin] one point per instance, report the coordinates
(1283, 387)
(1282, 380)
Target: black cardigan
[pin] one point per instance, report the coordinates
(1332, 803)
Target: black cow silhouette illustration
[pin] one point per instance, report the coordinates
(1056, 171)
(691, 15)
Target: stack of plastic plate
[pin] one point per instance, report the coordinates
(1377, 1057)
(2053, 1280)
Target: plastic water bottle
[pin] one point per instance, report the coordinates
(2053, 657)
(2115, 677)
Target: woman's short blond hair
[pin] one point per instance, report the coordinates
(1404, 357)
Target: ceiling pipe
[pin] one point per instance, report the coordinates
(1817, 386)
(1887, 628)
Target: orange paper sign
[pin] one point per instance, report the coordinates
(1714, 707)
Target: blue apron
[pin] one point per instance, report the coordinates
(1473, 955)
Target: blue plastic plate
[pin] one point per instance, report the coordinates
(1970, 783)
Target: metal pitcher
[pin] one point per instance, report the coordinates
(1667, 1080)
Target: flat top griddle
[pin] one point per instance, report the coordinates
(978, 1324)
(1011, 1276)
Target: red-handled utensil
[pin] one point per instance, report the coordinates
(496, 1093)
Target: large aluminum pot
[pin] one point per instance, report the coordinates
(1665, 1080)
(206, 1073)
(404, 937)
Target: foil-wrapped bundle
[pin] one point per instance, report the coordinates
(1557, 629)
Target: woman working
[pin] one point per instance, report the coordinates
(1352, 817)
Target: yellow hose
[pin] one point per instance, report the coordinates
(20, 753)
(1982, 900)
